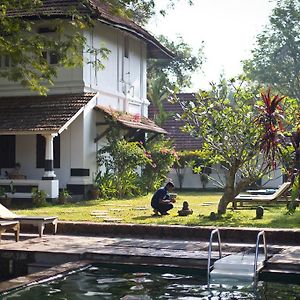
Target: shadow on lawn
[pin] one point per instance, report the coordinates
(146, 217)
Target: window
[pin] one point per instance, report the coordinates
(6, 61)
(126, 47)
(51, 56)
(46, 30)
(40, 151)
(7, 151)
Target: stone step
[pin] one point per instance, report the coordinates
(240, 262)
(225, 274)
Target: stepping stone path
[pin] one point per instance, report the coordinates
(97, 213)
(141, 208)
(113, 220)
(121, 205)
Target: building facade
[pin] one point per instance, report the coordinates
(51, 142)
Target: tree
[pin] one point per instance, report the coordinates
(178, 71)
(168, 76)
(276, 58)
(24, 49)
(225, 118)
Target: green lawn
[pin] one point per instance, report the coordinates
(138, 211)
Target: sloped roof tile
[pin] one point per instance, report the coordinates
(182, 140)
(38, 114)
(131, 121)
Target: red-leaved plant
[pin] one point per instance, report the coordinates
(271, 115)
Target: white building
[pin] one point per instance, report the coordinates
(55, 138)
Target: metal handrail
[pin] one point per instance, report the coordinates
(210, 250)
(260, 234)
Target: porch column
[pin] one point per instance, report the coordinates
(49, 157)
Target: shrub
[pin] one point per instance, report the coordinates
(63, 196)
(38, 197)
(121, 160)
(163, 156)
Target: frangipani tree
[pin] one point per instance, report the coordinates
(227, 119)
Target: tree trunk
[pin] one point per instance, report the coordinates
(229, 193)
(226, 198)
(231, 190)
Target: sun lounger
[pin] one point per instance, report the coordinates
(279, 193)
(40, 221)
(10, 225)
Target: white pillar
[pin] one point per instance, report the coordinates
(49, 157)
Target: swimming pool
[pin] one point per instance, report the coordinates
(97, 282)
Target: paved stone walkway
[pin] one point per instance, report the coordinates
(175, 251)
(59, 249)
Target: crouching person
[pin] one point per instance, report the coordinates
(161, 201)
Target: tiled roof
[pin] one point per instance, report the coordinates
(182, 140)
(132, 121)
(97, 9)
(39, 114)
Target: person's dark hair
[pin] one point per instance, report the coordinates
(170, 183)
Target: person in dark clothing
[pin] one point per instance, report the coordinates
(161, 200)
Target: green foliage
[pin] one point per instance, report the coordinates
(276, 59)
(38, 197)
(2, 192)
(130, 168)
(64, 196)
(158, 93)
(25, 48)
(107, 186)
(141, 10)
(198, 161)
(176, 72)
(224, 118)
(294, 195)
(121, 160)
(163, 156)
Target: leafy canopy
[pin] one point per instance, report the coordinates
(23, 48)
(276, 57)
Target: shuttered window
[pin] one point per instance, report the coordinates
(7, 151)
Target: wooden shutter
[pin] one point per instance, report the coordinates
(7, 151)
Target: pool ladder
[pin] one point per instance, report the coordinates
(241, 267)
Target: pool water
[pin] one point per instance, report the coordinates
(103, 283)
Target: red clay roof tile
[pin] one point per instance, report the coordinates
(182, 140)
(131, 121)
(39, 114)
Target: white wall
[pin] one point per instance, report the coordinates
(122, 83)
(192, 181)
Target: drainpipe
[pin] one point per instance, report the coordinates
(49, 157)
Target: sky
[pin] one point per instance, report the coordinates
(227, 27)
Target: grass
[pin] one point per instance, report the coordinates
(138, 211)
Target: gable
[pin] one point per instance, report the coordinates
(100, 11)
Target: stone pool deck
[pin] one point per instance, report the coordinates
(148, 245)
